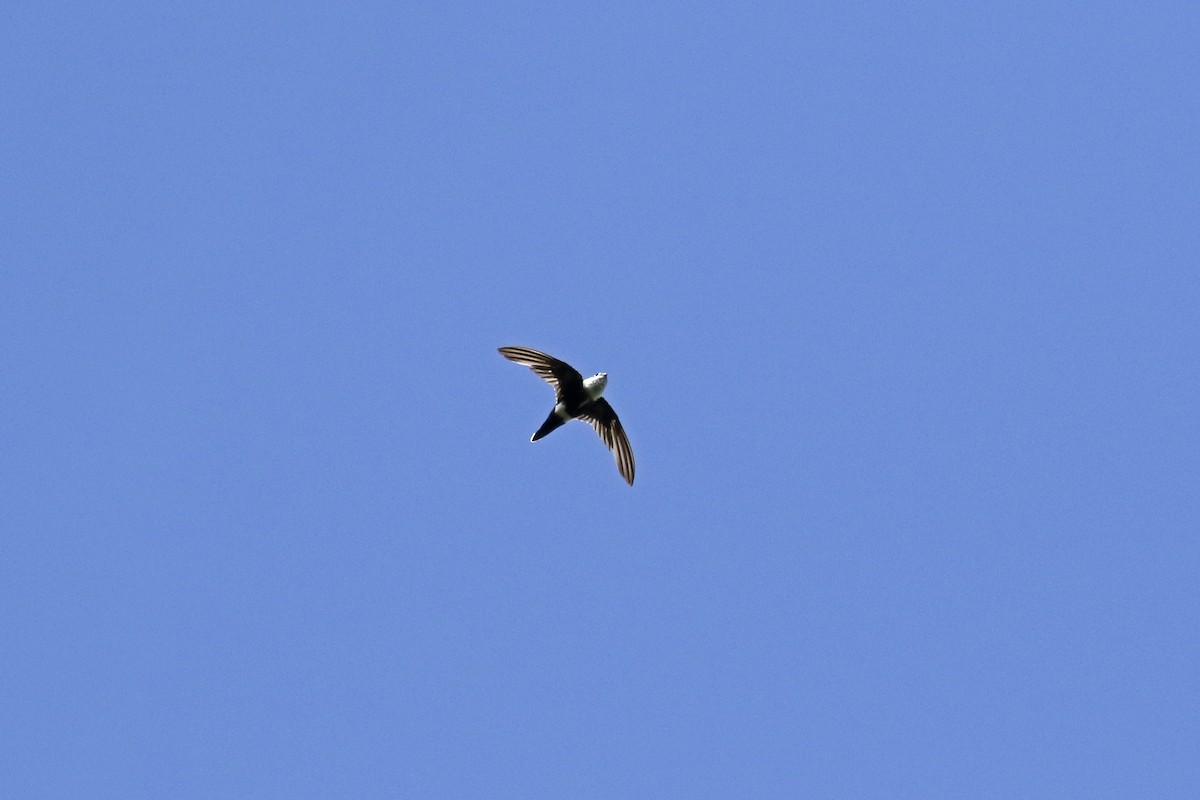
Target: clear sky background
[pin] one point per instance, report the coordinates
(899, 303)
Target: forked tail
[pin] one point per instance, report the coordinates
(553, 421)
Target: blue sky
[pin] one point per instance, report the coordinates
(899, 305)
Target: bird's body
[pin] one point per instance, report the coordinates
(577, 398)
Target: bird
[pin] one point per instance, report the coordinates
(577, 397)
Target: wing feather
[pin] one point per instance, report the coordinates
(559, 374)
(604, 421)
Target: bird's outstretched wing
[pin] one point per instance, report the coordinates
(559, 374)
(603, 419)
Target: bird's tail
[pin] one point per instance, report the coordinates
(553, 421)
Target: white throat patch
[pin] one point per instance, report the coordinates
(594, 386)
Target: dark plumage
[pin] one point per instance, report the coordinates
(577, 398)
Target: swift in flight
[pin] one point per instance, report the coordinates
(577, 397)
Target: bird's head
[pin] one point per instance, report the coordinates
(595, 384)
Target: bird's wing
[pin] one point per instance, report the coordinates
(603, 419)
(559, 374)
